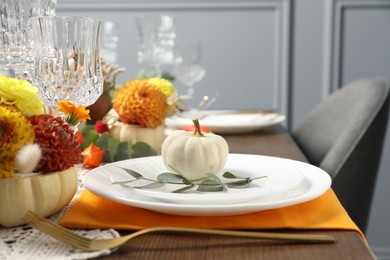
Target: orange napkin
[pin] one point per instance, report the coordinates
(324, 212)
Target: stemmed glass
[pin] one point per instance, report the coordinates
(109, 42)
(67, 59)
(15, 34)
(157, 40)
(189, 66)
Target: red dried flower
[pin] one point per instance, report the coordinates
(59, 144)
(101, 127)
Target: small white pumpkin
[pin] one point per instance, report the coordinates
(135, 133)
(44, 194)
(194, 154)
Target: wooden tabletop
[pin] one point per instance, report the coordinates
(272, 141)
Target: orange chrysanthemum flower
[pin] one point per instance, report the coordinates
(140, 102)
(74, 115)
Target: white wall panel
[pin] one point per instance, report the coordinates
(356, 40)
(245, 44)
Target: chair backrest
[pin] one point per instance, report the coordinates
(344, 135)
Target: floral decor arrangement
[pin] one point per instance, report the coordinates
(31, 141)
(134, 127)
(38, 152)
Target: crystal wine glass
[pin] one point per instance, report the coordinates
(15, 34)
(157, 40)
(189, 65)
(67, 60)
(109, 42)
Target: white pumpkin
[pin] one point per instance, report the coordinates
(135, 133)
(44, 194)
(194, 154)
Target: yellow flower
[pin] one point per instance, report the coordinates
(165, 85)
(7, 169)
(21, 94)
(15, 132)
(139, 102)
(168, 89)
(74, 114)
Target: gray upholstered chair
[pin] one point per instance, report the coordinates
(344, 136)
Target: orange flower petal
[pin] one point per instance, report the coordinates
(79, 114)
(92, 156)
(65, 107)
(80, 137)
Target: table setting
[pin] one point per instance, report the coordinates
(148, 162)
(228, 121)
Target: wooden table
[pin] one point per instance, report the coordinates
(273, 141)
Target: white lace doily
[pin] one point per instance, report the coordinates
(25, 242)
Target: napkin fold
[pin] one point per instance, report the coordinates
(325, 212)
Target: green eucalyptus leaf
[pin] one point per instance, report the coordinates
(153, 185)
(215, 178)
(168, 177)
(168, 76)
(239, 184)
(184, 188)
(210, 185)
(89, 138)
(122, 182)
(87, 128)
(141, 149)
(134, 174)
(230, 175)
(121, 152)
(130, 148)
(112, 148)
(102, 141)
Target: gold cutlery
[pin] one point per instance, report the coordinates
(86, 244)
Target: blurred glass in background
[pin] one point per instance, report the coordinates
(109, 42)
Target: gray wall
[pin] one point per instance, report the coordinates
(282, 54)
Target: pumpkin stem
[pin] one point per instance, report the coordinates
(197, 131)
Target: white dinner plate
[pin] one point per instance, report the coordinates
(227, 121)
(313, 183)
(266, 180)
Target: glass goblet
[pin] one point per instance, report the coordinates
(157, 35)
(67, 60)
(15, 34)
(109, 42)
(189, 65)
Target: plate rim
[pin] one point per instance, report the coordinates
(232, 128)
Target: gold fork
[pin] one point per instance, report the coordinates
(86, 244)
